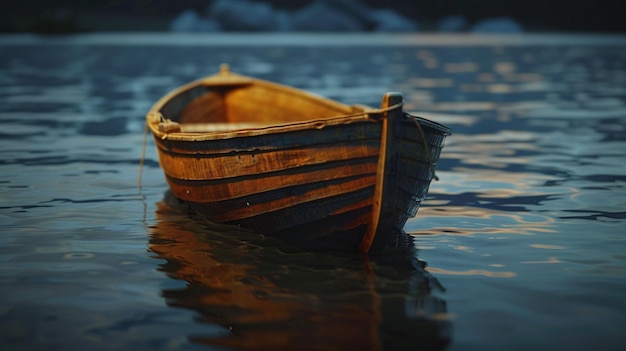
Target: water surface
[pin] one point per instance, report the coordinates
(519, 246)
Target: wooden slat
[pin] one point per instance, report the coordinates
(254, 205)
(298, 221)
(256, 163)
(231, 188)
(365, 130)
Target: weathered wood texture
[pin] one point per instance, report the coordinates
(287, 163)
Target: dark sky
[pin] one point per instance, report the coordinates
(535, 15)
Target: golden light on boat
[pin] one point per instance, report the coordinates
(302, 168)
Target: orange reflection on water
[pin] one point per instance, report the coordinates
(500, 88)
(227, 286)
(547, 247)
(429, 82)
(473, 272)
(504, 67)
(463, 248)
(549, 260)
(486, 77)
(463, 106)
(480, 221)
(482, 195)
(428, 58)
(266, 297)
(447, 118)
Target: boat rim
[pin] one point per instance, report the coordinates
(354, 113)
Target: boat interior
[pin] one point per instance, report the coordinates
(227, 101)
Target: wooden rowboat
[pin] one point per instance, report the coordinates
(287, 163)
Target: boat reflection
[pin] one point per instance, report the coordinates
(260, 294)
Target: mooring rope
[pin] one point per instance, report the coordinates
(431, 164)
(143, 155)
(381, 110)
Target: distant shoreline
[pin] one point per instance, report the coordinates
(314, 39)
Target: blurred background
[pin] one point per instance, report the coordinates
(69, 16)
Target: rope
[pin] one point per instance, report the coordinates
(143, 154)
(426, 147)
(378, 110)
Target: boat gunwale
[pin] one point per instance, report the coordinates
(251, 132)
(350, 114)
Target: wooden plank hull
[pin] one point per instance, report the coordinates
(312, 178)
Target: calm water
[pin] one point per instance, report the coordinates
(520, 246)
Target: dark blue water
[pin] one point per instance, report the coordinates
(520, 245)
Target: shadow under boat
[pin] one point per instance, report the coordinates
(264, 294)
